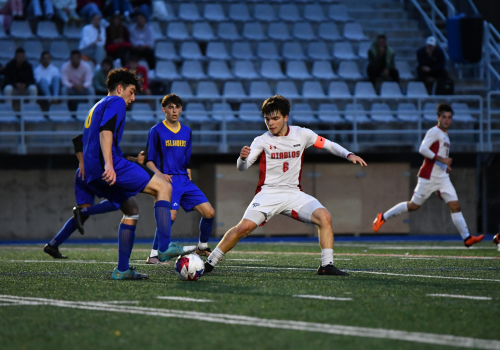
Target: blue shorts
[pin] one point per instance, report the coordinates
(84, 193)
(131, 178)
(186, 194)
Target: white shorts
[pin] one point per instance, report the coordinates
(295, 204)
(442, 186)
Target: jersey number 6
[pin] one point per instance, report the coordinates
(89, 118)
(285, 167)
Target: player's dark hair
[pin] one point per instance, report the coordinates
(123, 77)
(277, 103)
(443, 107)
(45, 52)
(171, 98)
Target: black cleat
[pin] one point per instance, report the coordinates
(331, 270)
(204, 252)
(77, 215)
(496, 239)
(208, 268)
(53, 252)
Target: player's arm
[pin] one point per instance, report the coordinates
(189, 174)
(106, 140)
(78, 146)
(152, 154)
(248, 155)
(334, 148)
(187, 160)
(425, 148)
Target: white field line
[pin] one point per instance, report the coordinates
(65, 261)
(321, 297)
(187, 299)
(417, 337)
(459, 296)
(336, 259)
(269, 267)
(244, 259)
(425, 276)
(119, 302)
(424, 247)
(418, 259)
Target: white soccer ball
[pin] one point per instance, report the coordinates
(189, 267)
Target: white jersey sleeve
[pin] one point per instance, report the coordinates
(256, 149)
(430, 138)
(313, 139)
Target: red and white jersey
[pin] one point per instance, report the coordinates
(281, 157)
(435, 143)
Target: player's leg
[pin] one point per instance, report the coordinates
(81, 214)
(206, 223)
(153, 256)
(458, 219)
(496, 241)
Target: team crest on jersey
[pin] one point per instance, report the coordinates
(297, 145)
(255, 205)
(271, 147)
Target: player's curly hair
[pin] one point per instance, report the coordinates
(171, 98)
(123, 77)
(277, 103)
(443, 107)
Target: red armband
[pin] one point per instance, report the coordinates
(320, 142)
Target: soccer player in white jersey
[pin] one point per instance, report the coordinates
(434, 177)
(280, 153)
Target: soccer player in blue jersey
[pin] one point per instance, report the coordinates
(119, 180)
(168, 155)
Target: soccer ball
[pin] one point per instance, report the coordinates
(189, 267)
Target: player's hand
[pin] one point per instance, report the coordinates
(245, 151)
(82, 171)
(109, 174)
(140, 158)
(448, 169)
(355, 159)
(167, 178)
(447, 161)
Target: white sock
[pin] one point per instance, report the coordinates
(396, 210)
(188, 248)
(459, 221)
(326, 257)
(202, 245)
(215, 257)
(154, 252)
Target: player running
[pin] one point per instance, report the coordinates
(118, 179)
(168, 155)
(434, 177)
(281, 153)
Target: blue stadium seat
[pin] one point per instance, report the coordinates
(47, 30)
(339, 89)
(165, 50)
(219, 70)
(59, 50)
(250, 112)
(189, 12)
(416, 89)
(287, 89)
(268, 51)
(72, 31)
(241, 50)
(142, 112)
(7, 114)
(253, 31)
(245, 70)
(202, 31)
(196, 112)
(390, 89)
(177, 31)
(264, 13)
(214, 13)
(349, 70)
(191, 51)
(228, 31)
(260, 89)
(364, 89)
(207, 89)
(192, 70)
(271, 70)
(181, 88)
(303, 31)
(302, 113)
(462, 113)
(363, 48)
(217, 51)
(329, 31)
(82, 111)
(32, 113)
(21, 30)
(234, 89)
(312, 89)
(239, 13)
(404, 70)
(317, 50)
(381, 112)
(3, 34)
(314, 13)
(60, 113)
(170, 12)
(430, 112)
(33, 49)
(278, 31)
(297, 70)
(342, 50)
(166, 70)
(354, 31)
(329, 113)
(8, 49)
(293, 51)
(339, 13)
(224, 111)
(323, 70)
(158, 33)
(289, 12)
(407, 112)
(356, 112)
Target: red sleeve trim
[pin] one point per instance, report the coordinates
(350, 154)
(320, 142)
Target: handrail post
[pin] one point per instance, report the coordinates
(22, 147)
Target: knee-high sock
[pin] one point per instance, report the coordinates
(215, 257)
(459, 221)
(101, 208)
(205, 231)
(126, 236)
(155, 240)
(396, 210)
(66, 231)
(162, 216)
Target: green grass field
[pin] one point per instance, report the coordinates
(251, 299)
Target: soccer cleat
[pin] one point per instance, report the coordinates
(130, 274)
(330, 270)
(208, 268)
(153, 260)
(53, 252)
(496, 239)
(472, 240)
(203, 252)
(77, 215)
(174, 250)
(378, 222)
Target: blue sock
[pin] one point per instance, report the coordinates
(66, 231)
(205, 229)
(101, 208)
(155, 241)
(126, 235)
(162, 216)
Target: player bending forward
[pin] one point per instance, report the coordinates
(434, 177)
(281, 152)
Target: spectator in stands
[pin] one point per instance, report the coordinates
(431, 63)
(142, 37)
(19, 79)
(117, 39)
(132, 7)
(88, 8)
(65, 10)
(47, 76)
(40, 9)
(93, 40)
(381, 64)
(10, 8)
(100, 77)
(76, 76)
(141, 71)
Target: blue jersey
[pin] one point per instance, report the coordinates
(169, 150)
(107, 114)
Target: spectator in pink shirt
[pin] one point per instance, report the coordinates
(76, 76)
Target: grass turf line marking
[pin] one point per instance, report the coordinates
(244, 259)
(269, 267)
(186, 299)
(425, 276)
(417, 337)
(321, 297)
(70, 262)
(459, 296)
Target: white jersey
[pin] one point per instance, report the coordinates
(435, 143)
(281, 157)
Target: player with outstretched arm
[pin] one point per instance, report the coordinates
(280, 153)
